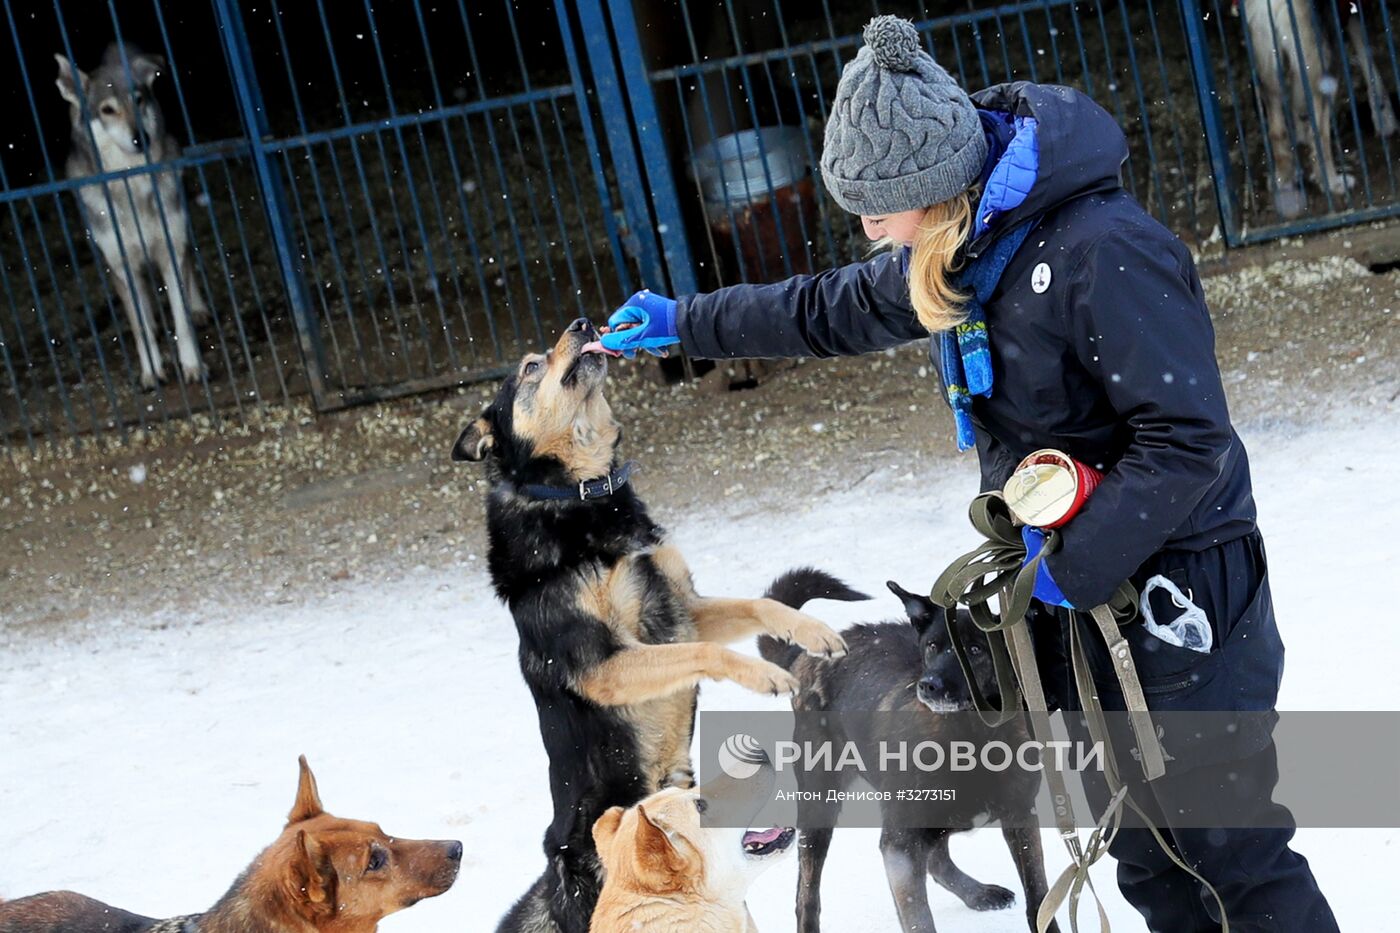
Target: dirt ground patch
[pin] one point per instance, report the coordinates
(294, 506)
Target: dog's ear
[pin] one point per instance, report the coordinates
(921, 610)
(308, 802)
(605, 830)
(310, 876)
(657, 861)
(70, 80)
(476, 440)
(145, 68)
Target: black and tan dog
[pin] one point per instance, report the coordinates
(613, 637)
(323, 874)
(902, 677)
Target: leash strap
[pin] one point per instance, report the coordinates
(998, 568)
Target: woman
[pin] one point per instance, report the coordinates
(1062, 316)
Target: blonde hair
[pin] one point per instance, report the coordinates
(942, 233)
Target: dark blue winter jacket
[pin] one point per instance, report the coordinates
(1109, 355)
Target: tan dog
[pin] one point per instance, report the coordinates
(664, 871)
(323, 874)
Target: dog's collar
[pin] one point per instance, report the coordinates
(586, 488)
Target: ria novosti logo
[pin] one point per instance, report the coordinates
(741, 756)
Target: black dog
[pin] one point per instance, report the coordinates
(910, 671)
(613, 637)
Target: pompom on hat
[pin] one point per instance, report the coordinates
(902, 134)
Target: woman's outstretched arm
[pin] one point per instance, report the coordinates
(853, 309)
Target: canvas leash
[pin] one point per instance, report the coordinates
(998, 569)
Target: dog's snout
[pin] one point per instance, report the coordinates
(582, 325)
(454, 851)
(932, 686)
(136, 143)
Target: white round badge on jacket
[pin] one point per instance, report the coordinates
(1040, 278)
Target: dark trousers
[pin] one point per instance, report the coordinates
(1264, 884)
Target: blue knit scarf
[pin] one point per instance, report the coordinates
(1013, 160)
(966, 359)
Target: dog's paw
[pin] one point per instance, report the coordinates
(678, 778)
(151, 378)
(1383, 118)
(193, 374)
(1290, 202)
(817, 638)
(991, 897)
(1342, 182)
(763, 677)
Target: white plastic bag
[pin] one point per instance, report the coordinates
(1190, 630)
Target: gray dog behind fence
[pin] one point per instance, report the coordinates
(137, 221)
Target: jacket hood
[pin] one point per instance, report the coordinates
(1081, 147)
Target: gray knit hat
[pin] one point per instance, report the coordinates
(902, 135)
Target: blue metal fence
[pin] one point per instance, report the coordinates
(384, 198)
(746, 86)
(378, 199)
(1297, 98)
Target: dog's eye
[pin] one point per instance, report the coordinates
(975, 649)
(108, 109)
(702, 804)
(378, 859)
(531, 366)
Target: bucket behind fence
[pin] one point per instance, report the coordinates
(760, 201)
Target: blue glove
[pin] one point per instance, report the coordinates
(1046, 589)
(655, 317)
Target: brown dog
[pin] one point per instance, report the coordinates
(322, 875)
(664, 871)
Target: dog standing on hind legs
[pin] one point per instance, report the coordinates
(614, 639)
(118, 124)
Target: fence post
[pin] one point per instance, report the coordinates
(621, 114)
(250, 104)
(1204, 80)
(670, 224)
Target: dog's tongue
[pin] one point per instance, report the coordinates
(762, 836)
(596, 346)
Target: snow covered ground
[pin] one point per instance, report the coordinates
(146, 764)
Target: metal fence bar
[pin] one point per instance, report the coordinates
(413, 200)
(437, 201)
(500, 173)
(375, 234)
(595, 158)
(1235, 106)
(392, 200)
(235, 310)
(309, 253)
(328, 222)
(1142, 107)
(459, 186)
(112, 402)
(554, 198)
(811, 151)
(1209, 104)
(270, 183)
(1373, 86)
(762, 150)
